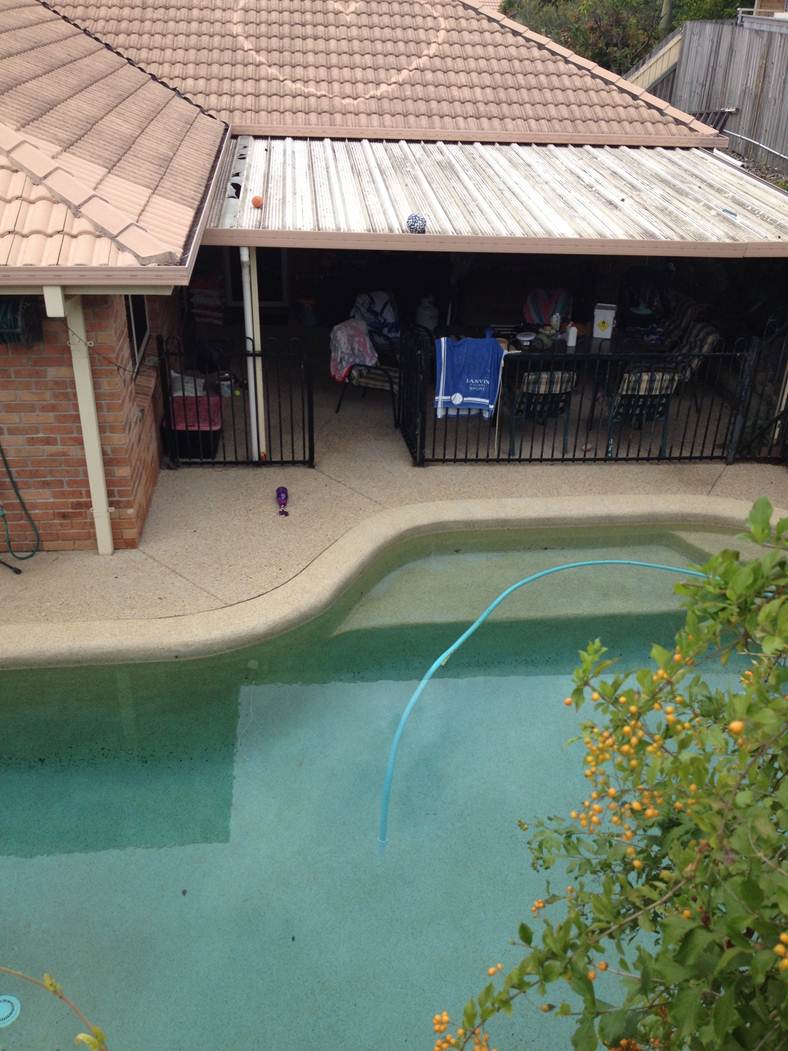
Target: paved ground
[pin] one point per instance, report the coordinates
(214, 538)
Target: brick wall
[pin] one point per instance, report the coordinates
(41, 434)
(762, 6)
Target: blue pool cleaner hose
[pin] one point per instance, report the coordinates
(444, 657)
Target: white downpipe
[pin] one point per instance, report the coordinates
(254, 365)
(88, 418)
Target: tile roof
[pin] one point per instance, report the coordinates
(412, 69)
(101, 165)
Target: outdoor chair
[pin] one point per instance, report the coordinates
(701, 340)
(374, 377)
(668, 334)
(643, 396)
(542, 396)
(685, 312)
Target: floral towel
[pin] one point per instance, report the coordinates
(542, 303)
(377, 310)
(350, 345)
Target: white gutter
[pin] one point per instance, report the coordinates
(88, 418)
(254, 365)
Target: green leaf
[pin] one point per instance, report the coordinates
(750, 893)
(673, 973)
(772, 644)
(724, 1015)
(469, 1015)
(612, 1026)
(686, 1008)
(525, 933)
(760, 518)
(693, 944)
(760, 964)
(584, 1037)
(660, 654)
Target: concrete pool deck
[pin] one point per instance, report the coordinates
(219, 568)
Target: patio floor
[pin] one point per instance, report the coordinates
(214, 537)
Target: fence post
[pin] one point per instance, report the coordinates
(170, 440)
(421, 402)
(743, 403)
(310, 408)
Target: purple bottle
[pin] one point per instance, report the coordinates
(281, 499)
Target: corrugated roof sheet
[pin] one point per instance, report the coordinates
(100, 164)
(484, 197)
(418, 69)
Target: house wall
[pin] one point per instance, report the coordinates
(41, 434)
(764, 6)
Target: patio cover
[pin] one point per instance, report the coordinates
(482, 197)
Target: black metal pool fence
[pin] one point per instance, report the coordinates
(628, 406)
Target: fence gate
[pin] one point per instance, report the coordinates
(237, 405)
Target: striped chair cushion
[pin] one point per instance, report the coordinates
(651, 382)
(548, 382)
(702, 338)
(677, 328)
(374, 377)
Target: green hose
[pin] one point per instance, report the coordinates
(28, 516)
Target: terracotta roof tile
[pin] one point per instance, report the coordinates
(456, 69)
(100, 164)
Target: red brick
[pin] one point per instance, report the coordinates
(40, 424)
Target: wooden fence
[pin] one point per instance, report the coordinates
(739, 67)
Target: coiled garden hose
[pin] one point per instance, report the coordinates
(439, 662)
(37, 542)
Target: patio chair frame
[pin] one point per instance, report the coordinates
(639, 406)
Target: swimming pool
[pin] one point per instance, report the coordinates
(190, 848)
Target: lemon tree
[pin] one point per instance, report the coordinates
(677, 855)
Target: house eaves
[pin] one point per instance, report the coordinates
(104, 171)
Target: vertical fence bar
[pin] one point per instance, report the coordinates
(743, 403)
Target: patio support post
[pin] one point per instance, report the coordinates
(254, 362)
(88, 418)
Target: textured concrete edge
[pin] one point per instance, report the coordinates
(317, 585)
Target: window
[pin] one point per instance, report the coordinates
(139, 330)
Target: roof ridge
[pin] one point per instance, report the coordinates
(83, 201)
(493, 12)
(136, 65)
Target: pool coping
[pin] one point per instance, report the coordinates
(318, 584)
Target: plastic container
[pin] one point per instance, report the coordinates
(186, 386)
(604, 320)
(571, 336)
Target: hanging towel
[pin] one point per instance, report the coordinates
(468, 375)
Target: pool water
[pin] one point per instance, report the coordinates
(191, 848)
